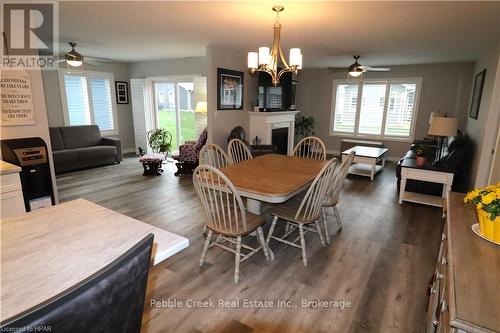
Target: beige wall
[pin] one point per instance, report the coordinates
(445, 87)
(123, 111)
(166, 67)
(41, 128)
(483, 130)
(220, 123)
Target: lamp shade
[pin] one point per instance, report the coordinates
(443, 126)
(253, 59)
(201, 107)
(264, 55)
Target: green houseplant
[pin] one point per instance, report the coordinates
(304, 125)
(160, 140)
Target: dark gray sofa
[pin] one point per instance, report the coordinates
(79, 147)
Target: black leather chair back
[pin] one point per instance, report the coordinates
(110, 301)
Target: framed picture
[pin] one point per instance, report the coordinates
(229, 89)
(121, 92)
(476, 95)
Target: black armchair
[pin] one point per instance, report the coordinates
(239, 133)
(109, 301)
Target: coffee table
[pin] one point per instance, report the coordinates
(367, 162)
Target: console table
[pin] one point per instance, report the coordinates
(464, 295)
(427, 174)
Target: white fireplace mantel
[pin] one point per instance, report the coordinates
(263, 123)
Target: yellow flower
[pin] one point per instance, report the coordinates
(488, 198)
(479, 205)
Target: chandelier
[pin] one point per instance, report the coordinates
(267, 61)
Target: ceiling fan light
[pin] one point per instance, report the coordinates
(355, 74)
(74, 63)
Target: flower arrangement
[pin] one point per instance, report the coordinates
(487, 203)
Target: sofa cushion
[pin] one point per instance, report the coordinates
(80, 136)
(65, 156)
(56, 139)
(96, 152)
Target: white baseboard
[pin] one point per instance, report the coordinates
(388, 158)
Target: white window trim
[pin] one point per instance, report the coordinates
(89, 74)
(388, 82)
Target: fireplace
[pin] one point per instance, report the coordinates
(280, 139)
(276, 128)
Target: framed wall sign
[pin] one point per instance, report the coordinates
(17, 99)
(229, 89)
(121, 92)
(477, 94)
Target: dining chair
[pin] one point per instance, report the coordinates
(227, 217)
(332, 197)
(299, 212)
(212, 154)
(238, 151)
(310, 147)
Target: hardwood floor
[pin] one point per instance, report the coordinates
(380, 262)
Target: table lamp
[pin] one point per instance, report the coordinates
(201, 107)
(442, 127)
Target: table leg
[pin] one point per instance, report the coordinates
(402, 187)
(254, 206)
(373, 171)
(446, 192)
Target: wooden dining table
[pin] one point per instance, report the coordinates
(272, 178)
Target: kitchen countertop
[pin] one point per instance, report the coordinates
(6, 168)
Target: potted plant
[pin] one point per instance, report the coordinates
(304, 125)
(160, 140)
(423, 151)
(487, 202)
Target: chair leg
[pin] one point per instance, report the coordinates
(303, 245)
(337, 216)
(267, 252)
(323, 213)
(271, 230)
(205, 247)
(237, 259)
(320, 233)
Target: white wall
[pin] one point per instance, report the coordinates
(167, 67)
(445, 87)
(483, 130)
(123, 111)
(220, 123)
(41, 128)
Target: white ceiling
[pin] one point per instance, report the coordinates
(384, 33)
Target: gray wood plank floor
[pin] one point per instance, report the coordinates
(381, 261)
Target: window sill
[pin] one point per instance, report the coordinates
(110, 133)
(370, 137)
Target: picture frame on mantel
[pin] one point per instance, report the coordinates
(477, 94)
(121, 92)
(229, 89)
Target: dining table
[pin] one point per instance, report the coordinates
(272, 178)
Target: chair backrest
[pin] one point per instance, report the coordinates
(202, 139)
(310, 147)
(220, 199)
(310, 207)
(332, 197)
(110, 300)
(238, 151)
(213, 155)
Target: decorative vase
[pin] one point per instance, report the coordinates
(487, 227)
(421, 160)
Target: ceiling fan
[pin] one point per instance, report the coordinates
(356, 69)
(75, 59)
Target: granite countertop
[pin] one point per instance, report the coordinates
(6, 168)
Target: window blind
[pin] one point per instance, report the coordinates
(101, 103)
(77, 100)
(372, 109)
(400, 109)
(345, 108)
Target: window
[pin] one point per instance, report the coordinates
(88, 99)
(383, 109)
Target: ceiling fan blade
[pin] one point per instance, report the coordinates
(337, 69)
(59, 61)
(92, 62)
(99, 59)
(378, 69)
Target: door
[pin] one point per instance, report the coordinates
(177, 105)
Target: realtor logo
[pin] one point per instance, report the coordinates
(30, 34)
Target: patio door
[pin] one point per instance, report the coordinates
(176, 101)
